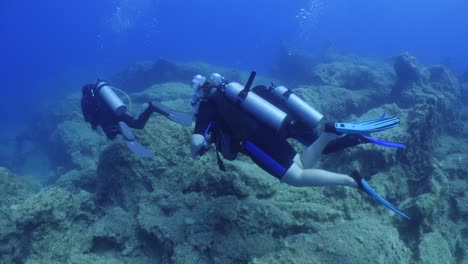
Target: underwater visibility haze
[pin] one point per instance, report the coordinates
(72, 195)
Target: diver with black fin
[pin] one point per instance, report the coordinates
(102, 107)
(235, 119)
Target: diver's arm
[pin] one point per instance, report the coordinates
(206, 114)
(108, 123)
(196, 143)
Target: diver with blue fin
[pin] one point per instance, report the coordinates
(102, 107)
(258, 122)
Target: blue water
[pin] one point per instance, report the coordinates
(50, 48)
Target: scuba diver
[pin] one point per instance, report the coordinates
(102, 107)
(258, 123)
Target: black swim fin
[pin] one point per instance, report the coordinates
(132, 143)
(181, 118)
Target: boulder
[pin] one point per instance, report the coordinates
(345, 243)
(354, 75)
(406, 69)
(434, 249)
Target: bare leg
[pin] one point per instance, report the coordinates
(312, 154)
(296, 176)
(301, 174)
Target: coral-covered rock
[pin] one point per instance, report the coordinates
(12, 248)
(14, 192)
(354, 76)
(118, 178)
(221, 230)
(435, 83)
(422, 207)
(114, 231)
(464, 77)
(97, 258)
(442, 79)
(14, 189)
(345, 243)
(406, 69)
(53, 206)
(76, 180)
(434, 249)
(86, 258)
(451, 156)
(425, 125)
(461, 203)
(75, 145)
(55, 224)
(464, 93)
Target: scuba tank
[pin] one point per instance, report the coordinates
(110, 98)
(256, 105)
(298, 107)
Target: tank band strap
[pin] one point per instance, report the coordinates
(100, 84)
(287, 93)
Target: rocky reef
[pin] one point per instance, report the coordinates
(464, 77)
(142, 75)
(105, 205)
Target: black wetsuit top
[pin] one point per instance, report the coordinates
(237, 131)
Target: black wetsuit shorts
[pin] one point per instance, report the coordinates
(270, 151)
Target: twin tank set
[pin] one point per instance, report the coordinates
(264, 110)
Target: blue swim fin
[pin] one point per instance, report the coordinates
(363, 185)
(382, 142)
(368, 189)
(368, 127)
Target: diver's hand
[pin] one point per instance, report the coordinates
(197, 142)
